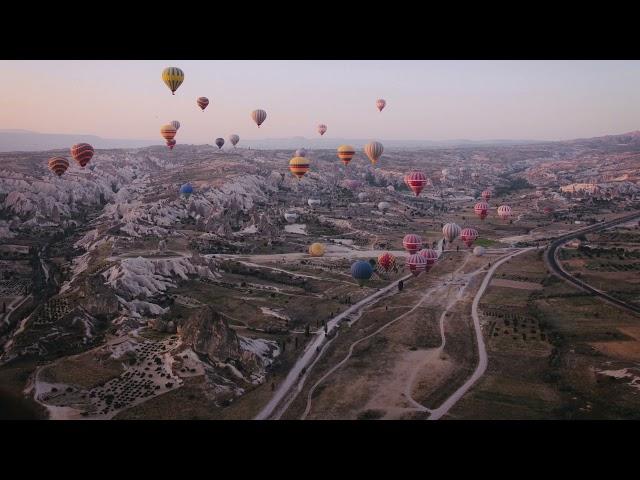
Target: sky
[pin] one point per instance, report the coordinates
(426, 100)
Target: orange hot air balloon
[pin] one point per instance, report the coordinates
(386, 261)
(202, 102)
(346, 153)
(168, 131)
(82, 153)
(299, 166)
(58, 165)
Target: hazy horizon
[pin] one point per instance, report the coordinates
(430, 101)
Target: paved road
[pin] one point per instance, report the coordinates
(551, 259)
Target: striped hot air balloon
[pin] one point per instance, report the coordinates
(416, 182)
(175, 124)
(168, 132)
(486, 195)
(82, 153)
(504, 212)
(416, 264)
(219, 142)
(374, 151)
(346, 153)
(361, 271)
(173, 78)
(386, 261)
(430, 255)
(301, 152)
(322, 128)
(412, 243)
(171, 143)
(468, 236)
(259, 116)
(58, 165)
(234, 139)
(450, 231)
(299, 166)
(202, 102)
(380, 104)
(481, 209)
(316, 249)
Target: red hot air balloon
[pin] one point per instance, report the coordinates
(486, 195)
(202, 102)
(168, 132)
(416, 264)
(416, 182)
(481, 209)
(386, 261)
(171, 143)
(82, 153)
(468, 236)
(58, 165)
(430, 255)
(412, 243)
(504, 212)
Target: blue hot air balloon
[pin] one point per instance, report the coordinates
(361, 271)
(186, 190)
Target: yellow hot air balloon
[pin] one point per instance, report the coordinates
(373, 150)
(346, 153)
(173, 78)
(299, 166)
(316, 249)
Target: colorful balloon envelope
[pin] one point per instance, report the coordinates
(168, 132)
(416, 264)
(481, 209)
(380, 104)
(361, 271)
(486, 195)
(202, 102)
(468, 236)
(173, 78)
(316, 249)
(346, 153)
(175, 124)
(416, 181)
(386, 261)
(219, 142)
(430, 255)
(171, 143)
(412, 243)
(301, 152)
(504, 212)
(82, 153)
(58, 165)
(299, 166)
(259, 116)
(450, 231)
(374, 151)
(322, 128)
(186, 190)
(234, 139)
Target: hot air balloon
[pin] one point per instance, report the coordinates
(290, 217)
(361, 271)
(481, 209)
(486, 195)
(301, 152)
(450, 232)
(314, 202)
(412, 243)
(430, 255)
(316, 249)
(346, 153)
(234, 139)
(175, 124)
(504, 211)
(386, 261)
(479, 251)
(362, 196)
(468, 236)
(58, 165)
(173, 78)
(171, 143)
(186, 190)
(416, 264)
(322, 128)
(82, 153)
(384, 206)
(380, 103)
(202, 102)
(374, 151)
(168, 132)
(299, 166)
(416, 182)
(219, 142)
(259, 116)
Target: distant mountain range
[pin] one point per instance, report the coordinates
(27, 141)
